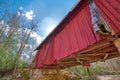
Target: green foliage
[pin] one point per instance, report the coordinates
(97, 69)
(1, 79)
(84, 72)
(88, 73)
(6, 59)
(22, 64)
(8, 51)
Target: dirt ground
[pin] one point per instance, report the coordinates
(109, 77)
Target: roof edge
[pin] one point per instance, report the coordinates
(60, 26)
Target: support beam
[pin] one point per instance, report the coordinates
(96, 46)
(78, 60)
(117, 43)
(98, 54)
(105, 57)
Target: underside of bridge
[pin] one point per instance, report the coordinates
(101, 51)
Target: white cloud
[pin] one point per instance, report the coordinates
(21, 8)
(48, 24)
(18, 13)
(50, 28)
(29, 15)
(33, 35)
(37, 37)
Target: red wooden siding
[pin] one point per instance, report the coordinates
(77, 35)
(45, 55)
(110, 9)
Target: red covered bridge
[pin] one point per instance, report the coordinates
(90, 32)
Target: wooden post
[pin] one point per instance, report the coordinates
(117, 43)
(105, 57)
(78, 60)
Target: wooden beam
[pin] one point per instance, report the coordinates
(105, 57)
(59, 63)
(98, 54)
(78, 60)
(95, 46)
(109, 49)
(113, 56)
(117, 43)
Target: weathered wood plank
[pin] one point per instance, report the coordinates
(117, 43)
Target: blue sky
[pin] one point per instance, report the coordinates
(48, 12)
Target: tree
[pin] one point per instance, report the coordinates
(7, 53)
(15, 37)
(24, 40)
